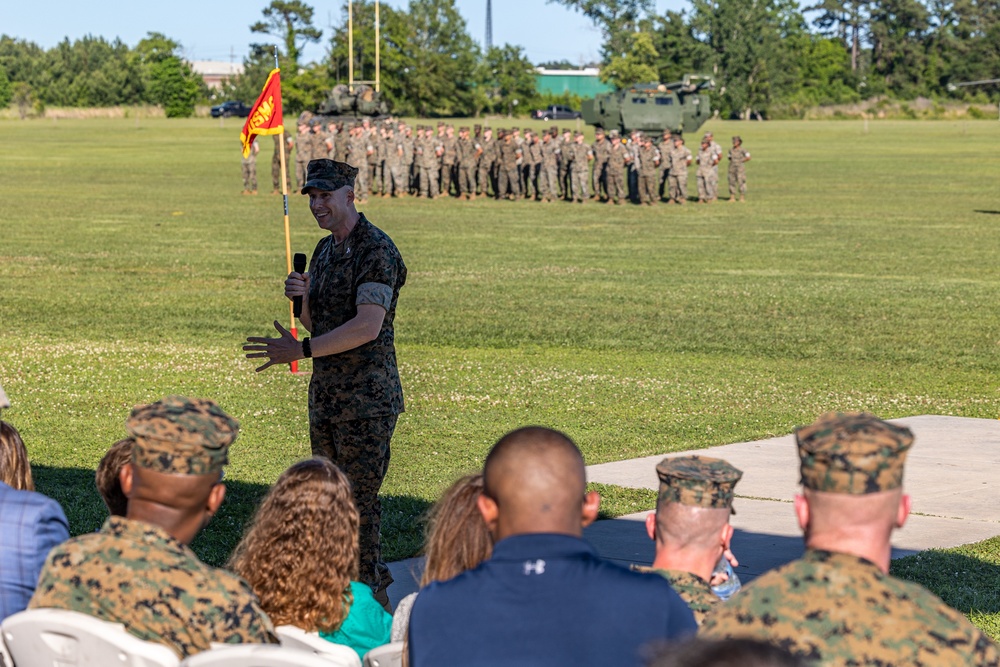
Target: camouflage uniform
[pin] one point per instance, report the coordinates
(396, 181)
(428, 160)
(466, 149)
(486, 179)
(694, 590)
(737, 171)
(713, 181)
(276, 160)
(615, 172)
(838, 608)
(599, 177)
(533, 163)
(509, 180)
(706, 158)
(355, 396)
(679, 159)
(137, 574)
(649, 158)
(358, 150)
(548, 173)
(374, 159)
(449, 157)
(578, 169)
(249, 166)
(303, 153)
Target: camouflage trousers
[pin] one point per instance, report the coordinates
(678, 186)
(250, 175)
(466, 179)
(509, 181)
(548, 183)
(579, 184)
(563, 170)
(647, 187)
(374, 176)
(616, 185)
(360, 448)
(393, 181)
(361, 185)
(447, 178)
(704, 186)
(429, 182)
(737, 180)
(276, 173)
(713, 183)
(664, 190)
(484, 178)
(300, 173)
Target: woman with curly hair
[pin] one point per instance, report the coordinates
(457, 540)
(300, 555)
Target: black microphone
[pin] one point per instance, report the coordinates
(299, 263)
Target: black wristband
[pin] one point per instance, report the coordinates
(306, 348)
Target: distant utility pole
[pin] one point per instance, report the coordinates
(489, 25)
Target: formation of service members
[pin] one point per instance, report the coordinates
(396, 160)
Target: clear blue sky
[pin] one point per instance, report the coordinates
(219, 29)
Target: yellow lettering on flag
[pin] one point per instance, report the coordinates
(265, 115)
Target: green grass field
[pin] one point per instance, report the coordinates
(861, 274)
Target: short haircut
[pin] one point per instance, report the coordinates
(108, 476)
(723, 653)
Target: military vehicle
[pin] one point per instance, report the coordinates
(681, 106)
(342, 104)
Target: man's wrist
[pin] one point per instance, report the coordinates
(306, 348)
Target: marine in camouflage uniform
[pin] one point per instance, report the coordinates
(690, 535)
(713, 181)
(449, 158)
(249, 166)
(599, 177)
(666, 145)
(706, 163)
(579, 165)
(487, 177)
(548, 171)
(680, 158)
(303, 152)
(428, 151)
(509, 182)
(354, 395)
(139, 574)
(466, 166)
(649, 161)
(618, 156)
(276, 161)
(396, 181)
(738, 157)
(359, 148)
(843, 608)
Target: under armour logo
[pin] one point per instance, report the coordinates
(536, 567)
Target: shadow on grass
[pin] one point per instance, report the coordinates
(74, 489)
(987, 212)
(968, 583)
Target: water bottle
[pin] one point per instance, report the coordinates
(731, 586)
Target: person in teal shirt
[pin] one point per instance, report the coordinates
(300, 556)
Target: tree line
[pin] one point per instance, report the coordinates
(767, 56)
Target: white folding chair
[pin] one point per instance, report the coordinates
(261, 655)
(5, 659)
(60, 638)
(298, 638)
(387, 655)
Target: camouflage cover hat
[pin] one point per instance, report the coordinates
(599, 131)
(181, 436)
(737, 139)
(329, 175)
(852, 452)
(698, 481)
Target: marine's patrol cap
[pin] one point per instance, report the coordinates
(737, 140)
(599, 132)
(181, 436)
(578, 133)
(329, 175)
(852, 452)
(477, 127)
(697, 481)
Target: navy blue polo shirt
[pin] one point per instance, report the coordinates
(544, 599)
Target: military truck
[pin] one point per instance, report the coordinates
(681, 106)
(342, 104)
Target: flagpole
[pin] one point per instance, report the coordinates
(293, 366)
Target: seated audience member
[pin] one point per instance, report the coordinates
(138, 570)
(691, 526)
(108, 476)
(301, 553)
(724, 653)
(457, 540)
(30, 525)
(838, 605)
(544, 597)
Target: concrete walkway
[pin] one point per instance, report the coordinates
(952, 473)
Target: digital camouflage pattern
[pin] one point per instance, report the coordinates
(329, 175)
(181, 436)
(853, 453)
(697, 481)
(840, 610)
(355, 396)
(133, 573)
(694, 590)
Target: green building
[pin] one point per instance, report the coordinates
(582, 82)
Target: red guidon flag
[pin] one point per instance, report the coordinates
(265, 116)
